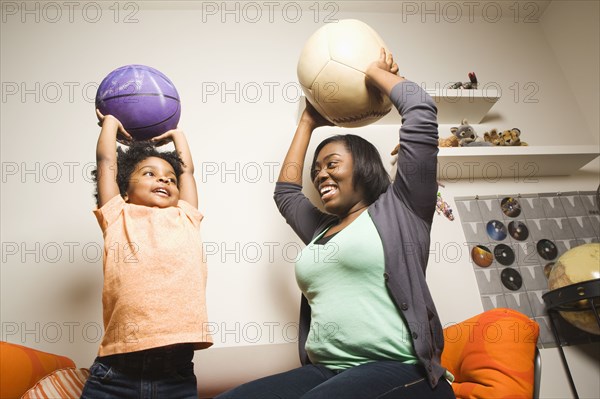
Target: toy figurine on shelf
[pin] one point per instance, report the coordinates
(511, 138)
(463, 136)
(472, 84)
(442, 207)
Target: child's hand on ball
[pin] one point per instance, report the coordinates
(166, 137)
(122, 136)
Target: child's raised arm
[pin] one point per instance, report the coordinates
(186, 182)
(106, 157)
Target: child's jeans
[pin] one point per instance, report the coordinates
(166, 372)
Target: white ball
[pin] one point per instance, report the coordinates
(331, 71)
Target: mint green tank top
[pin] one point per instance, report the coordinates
(353, 318)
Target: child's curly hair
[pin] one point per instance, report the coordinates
(128, 160)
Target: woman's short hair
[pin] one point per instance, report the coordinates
(369, 172)
(127, 162)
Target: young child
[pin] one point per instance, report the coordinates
(154, 272)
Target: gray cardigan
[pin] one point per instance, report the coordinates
(403, 216)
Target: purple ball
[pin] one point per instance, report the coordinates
(142, 98)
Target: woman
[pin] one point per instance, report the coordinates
(368, 325)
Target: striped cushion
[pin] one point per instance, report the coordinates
(64, 384)
(21, 367)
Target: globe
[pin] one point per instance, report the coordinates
(581, 263)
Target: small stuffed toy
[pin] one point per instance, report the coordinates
(466, 135)
(450, 141)
(510, 138)
(472, 84)
(493, 137)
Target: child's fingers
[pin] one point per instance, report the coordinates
(159, 138)
(124, 132)
(99, 116)
(162, 139)
(124, 141)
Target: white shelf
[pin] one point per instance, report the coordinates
(524, 164)
(453, 106)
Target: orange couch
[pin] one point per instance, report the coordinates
(22, 367)
(492, 355)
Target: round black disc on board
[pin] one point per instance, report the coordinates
(511, 279)
(547, 249)
(504, 254)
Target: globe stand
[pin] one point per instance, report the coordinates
(567, 299)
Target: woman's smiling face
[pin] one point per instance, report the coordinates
(333, 178)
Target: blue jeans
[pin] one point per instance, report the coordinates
(380, 379)
(166, 372)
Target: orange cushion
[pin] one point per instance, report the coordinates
(64, 383)
(491, 355)
(22, 367)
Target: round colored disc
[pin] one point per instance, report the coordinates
(518, 230)
(482, 256)
(496, 230)
(510, 207)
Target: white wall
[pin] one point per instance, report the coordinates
(51, 276)
(569, 28)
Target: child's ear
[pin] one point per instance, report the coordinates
(126, 198)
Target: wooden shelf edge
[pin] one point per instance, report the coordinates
(453, 106)
(520, 163)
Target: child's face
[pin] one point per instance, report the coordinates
(153, 183)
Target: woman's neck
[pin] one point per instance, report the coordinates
(348, 218)
(354, 212)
